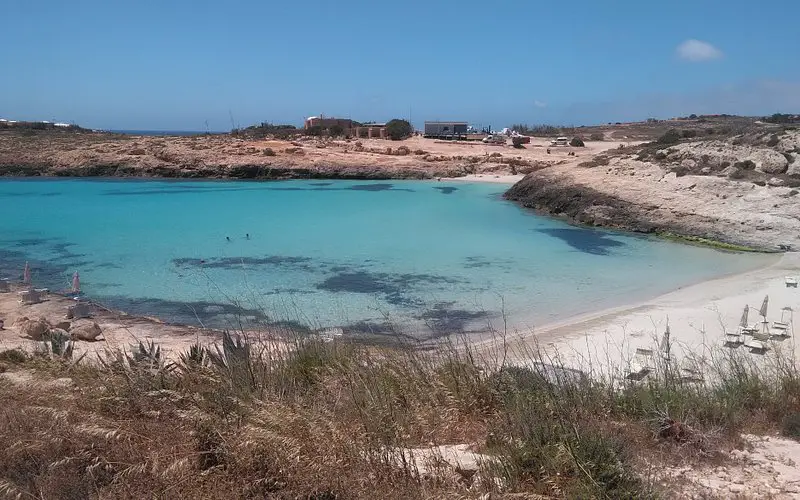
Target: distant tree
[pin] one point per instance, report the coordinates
(315, 130)
(692, 116)
(399, 129)
(336, 131)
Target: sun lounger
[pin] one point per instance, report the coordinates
(733, 339)
(636, 370)
(28, 297)
(79, 310)
(4, 286)
(755, 345)
(780, 329)
(641, 365)
(791, 282)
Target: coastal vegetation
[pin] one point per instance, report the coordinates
(304, 418)
(399, 129)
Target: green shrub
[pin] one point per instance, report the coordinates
(576, 142)
(268, 152)
(399, 129)
(791, 426)
(336, 131)
(671, 136)
(687, 134)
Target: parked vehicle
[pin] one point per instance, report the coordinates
(560, 141)
(494, 139)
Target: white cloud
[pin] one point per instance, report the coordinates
(697, 51)
(540, 104)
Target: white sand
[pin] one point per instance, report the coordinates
(698, 317)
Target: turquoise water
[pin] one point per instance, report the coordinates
(421, 255)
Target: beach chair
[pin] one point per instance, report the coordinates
(755, 346)
(791, 282)
(641, 365)
(780, 329)
(734, 339)
(29, 297)
(79, 310)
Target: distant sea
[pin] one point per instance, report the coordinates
(164, 132)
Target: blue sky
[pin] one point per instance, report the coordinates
(175, 64)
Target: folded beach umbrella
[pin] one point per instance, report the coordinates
(764, 305)
(26, 274)
(76, 282)
(743, 321)
(665, 342)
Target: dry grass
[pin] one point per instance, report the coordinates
(251, 419)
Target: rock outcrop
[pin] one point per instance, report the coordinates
(86, 331)
(645, 196)
(35, 329)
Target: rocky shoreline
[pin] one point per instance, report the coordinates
(706, 191)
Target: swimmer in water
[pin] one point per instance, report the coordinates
(247, 236)
(228, 238)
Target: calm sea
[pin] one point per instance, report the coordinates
(412, 256)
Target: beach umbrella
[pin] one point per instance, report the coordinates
(665, 342)
(26, 274)
(763, 310)
(743, 321)
(76, 282)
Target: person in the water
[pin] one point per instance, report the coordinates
(228, 238)
(247, 236)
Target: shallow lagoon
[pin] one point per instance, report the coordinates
(419, 255)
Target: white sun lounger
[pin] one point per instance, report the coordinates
(733, 339)
(791, 282)
(780, 329)
(641, 365)
(79, 310)
(755, 345)
(28, 297)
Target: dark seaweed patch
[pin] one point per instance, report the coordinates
(236, 262)
(208, 313)
(173, 190)
(446, 189)
(378, 187)
(28, 194)
(290, 291)
(443, 320)
(585, 240)
(394, 288)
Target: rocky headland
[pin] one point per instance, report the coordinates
(740, 189)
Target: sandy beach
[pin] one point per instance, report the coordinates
(698, 316)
